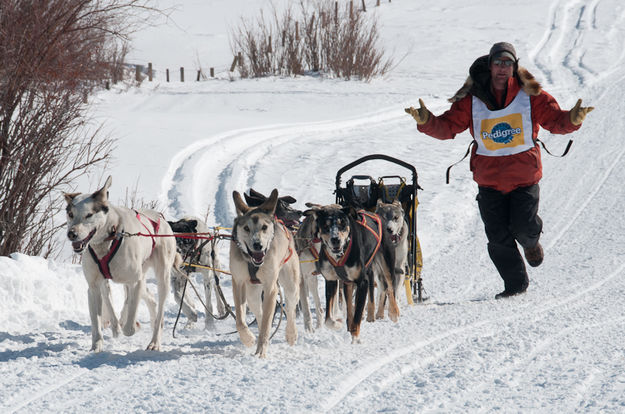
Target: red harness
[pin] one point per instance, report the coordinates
(103, 263)
(363, 222)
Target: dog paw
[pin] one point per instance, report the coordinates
(97, 346)
(379, 315)
(333, 325)
(153, 347)
(129, 329)
(116, 330)
(261, 351)
(370, 318)
(247, 337)
(356, 340)
(291, 336)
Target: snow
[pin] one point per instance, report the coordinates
(558, 348)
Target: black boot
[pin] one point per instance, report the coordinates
(511, 268)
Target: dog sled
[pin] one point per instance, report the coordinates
(363, 192)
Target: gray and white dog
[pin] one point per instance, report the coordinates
(96, 227)
(394, 245)
(204, 253)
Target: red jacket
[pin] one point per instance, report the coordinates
(504, 173)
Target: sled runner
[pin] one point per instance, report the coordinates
(363, 192)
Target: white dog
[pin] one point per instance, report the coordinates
(95, 227)
(261, 253)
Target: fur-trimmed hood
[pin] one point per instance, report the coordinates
(478, 82)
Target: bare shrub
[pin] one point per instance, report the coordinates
(319, 38)
(53, 53)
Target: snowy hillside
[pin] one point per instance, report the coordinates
(557, 348)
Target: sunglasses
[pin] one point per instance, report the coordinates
(500, 62)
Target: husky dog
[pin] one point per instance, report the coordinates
(206, 256)
(290, 217)
(262, 253)
(95, 227)
(394, 246)
(350, 252)
(308, 247)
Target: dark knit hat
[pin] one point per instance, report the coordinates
(502, 49)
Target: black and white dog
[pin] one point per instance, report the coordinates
(351, 252)
(204, 253)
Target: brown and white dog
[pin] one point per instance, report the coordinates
(96, 229)
(262, 253)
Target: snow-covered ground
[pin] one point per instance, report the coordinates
(558, 348)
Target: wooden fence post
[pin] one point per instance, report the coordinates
(269, 45)
(351, 8)
(199, 72)
(283, 37)
(364, 7)
(181, 74)
(240, 59)
(167, 74)
(336, 11)
(150, 71)
(234, 63)
(137, 73)
(377, 3)
(212, 71)
(296, 31)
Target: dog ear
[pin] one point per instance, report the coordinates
(380, 202)
(239, 204)
(312, 205)
(192, 224)
(269, 206)
(102, 194)
(396, 202)
(255, 198)
(69, 197)
(350, 211)
(288, 199)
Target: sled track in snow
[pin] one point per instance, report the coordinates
(397, 372)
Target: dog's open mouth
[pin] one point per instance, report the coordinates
(395, 238)
(80, 245)
(258, 257)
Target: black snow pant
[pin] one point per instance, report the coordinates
(510, 218)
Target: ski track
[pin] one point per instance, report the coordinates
(361, 374)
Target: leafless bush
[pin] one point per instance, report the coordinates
(53, 52)
(319, 38)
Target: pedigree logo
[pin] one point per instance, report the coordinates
(504, 132)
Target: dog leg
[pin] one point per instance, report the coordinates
(381, 299)
(209, 282)
(150, 302)
(221, 306)
(95, 312)
(354, 326)
(371, 299)
(331, 290)
(291, 280)
(312, 286)
(239, 296)
(108, 312)
(162, 286)
(393, 308)
(348, 293)
(303, 300)
(131, 306)
(270, 291)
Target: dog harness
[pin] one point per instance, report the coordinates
(103, 263)
(155, 224)
(369, 221)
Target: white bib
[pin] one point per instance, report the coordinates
(506, 131)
